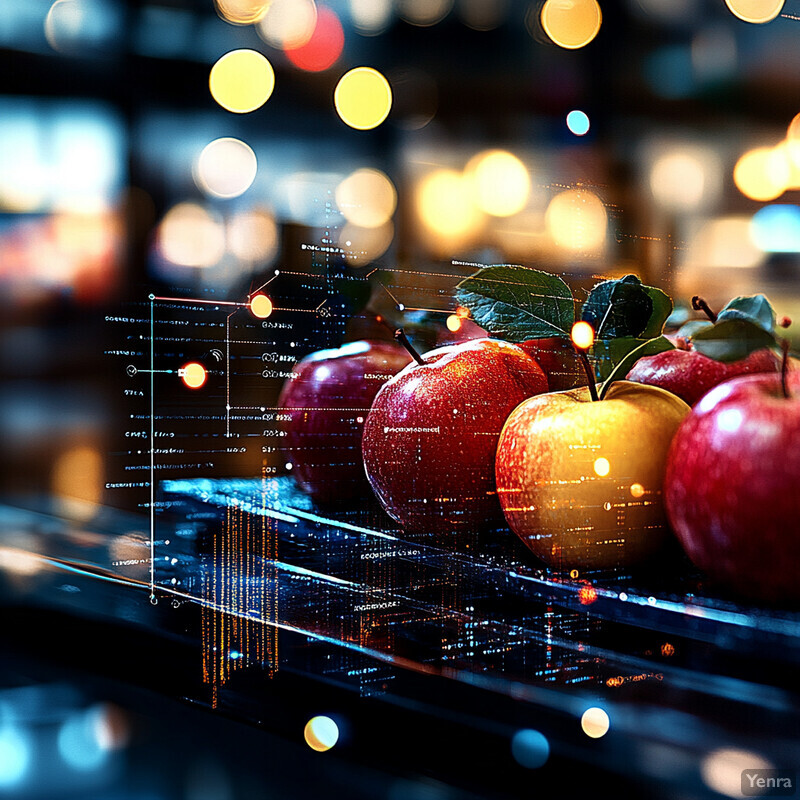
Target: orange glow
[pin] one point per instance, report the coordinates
(602, 467)
(260, 306)
(462, 312)
(637, 490)
(667, 649)
(762, 173)
(77, 480)
(324, 47)
(582, 335)
(241, 12)
(571, 23)
(454, 323)
(595, 722)
(193, 374)
(587, 594)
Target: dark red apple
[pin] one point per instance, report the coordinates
(557, 358)
(322, 411)
(431, 436)
(732, 485)
(690, 374)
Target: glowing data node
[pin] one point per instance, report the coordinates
(363, 98)
(242, 81)
(260, 306)
(193, 375)
(582, 335)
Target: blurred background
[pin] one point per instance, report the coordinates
(649, 136)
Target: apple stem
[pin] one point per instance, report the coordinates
(698, 304)
(587, 368)
(785, 367)
(401, 337)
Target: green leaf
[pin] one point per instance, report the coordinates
(756, 309)
(662, 308)
(693, 326)
(518, 303)
(649, 348)
(607, 353)
(618, 308)
(732, 339)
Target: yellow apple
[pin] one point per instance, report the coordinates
(580, 481)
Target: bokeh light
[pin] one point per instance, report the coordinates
(576, 220)
(226, 168)
(363, 98)
(637, 490)
(483, 15)
(193, 374)
(762, 173)
(190, 236)
(453, 323)
(722, 769)
(79, 743)
(76, 479)
(367, 198)
(722, 242)
(253, 236)
(571, 23)
(776, 228)
(595, 722)
(793, 140)
(756, 11)
(288, 24)
(445, 205)
(241, 12)
(682, 179)
(500, 182)
(261, 306)
(321, 733)
(63, 24)
(371, 17)
(424, 12)
(15, 756)
(363, 245)
(324, 47)
(582, 335)
(602, 467)
(578, 122)
(530, 748)
(242, 81)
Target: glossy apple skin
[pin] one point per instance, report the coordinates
(690, 374)
(431, 436)
(556, 356)
(322, 412)
(551, 492)
(733, 486)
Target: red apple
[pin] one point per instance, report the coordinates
(430, 439)
(690, 374)
(556, 356)
(733, 485)
(322, 409)
(580, 481)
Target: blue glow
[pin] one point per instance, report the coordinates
(235, 654)
(668, 72)
(776, 228)
(15, 756)
(78, 743)
(578, 122)
(530, 748)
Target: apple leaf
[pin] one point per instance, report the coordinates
(662, 308)
(755, 308)
(518, 303)
(607, 353)
(649, 348)
(625, 308)
(732, 339)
